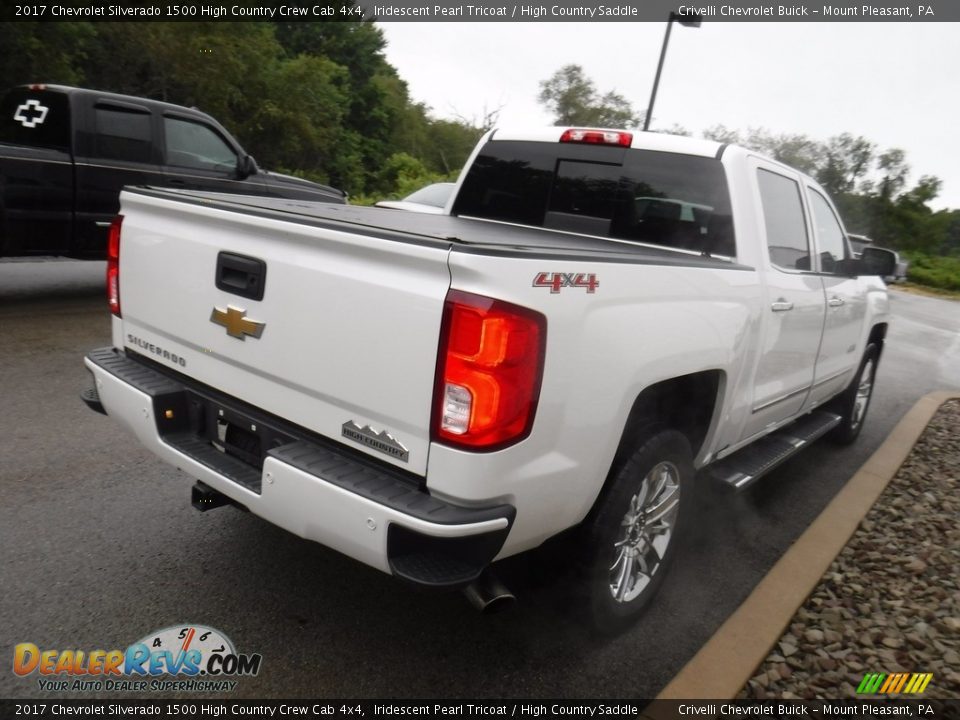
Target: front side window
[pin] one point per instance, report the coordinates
(787, 241)
(659, 198)
(829, 233)
(123, 135)
(194, 145)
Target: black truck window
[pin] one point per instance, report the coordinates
(123, 134)
(40, 119)
(660, 198)
(194, 145)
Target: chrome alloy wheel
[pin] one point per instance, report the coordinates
(645, 532)
(863, 393)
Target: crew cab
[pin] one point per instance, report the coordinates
(66, 152)
(598, 315)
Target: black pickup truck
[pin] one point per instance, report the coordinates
(66, 152)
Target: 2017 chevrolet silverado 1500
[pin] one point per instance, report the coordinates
(598, 315)
(65, 153)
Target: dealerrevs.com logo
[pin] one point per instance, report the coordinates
(181, 658)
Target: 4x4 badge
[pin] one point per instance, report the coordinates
(236, 322)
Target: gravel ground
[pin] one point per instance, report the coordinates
(890, 602)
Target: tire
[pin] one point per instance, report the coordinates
(626, 553)
(853, 403)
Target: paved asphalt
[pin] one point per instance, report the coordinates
(99, 545)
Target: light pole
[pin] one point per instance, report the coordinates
(691, 20)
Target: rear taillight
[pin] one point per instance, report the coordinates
(490, 365)
(597, 137)
(113, 265)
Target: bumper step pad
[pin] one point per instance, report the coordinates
(426, 560)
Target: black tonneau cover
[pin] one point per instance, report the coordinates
(463, 234)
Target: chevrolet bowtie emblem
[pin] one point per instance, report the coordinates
(237, 325)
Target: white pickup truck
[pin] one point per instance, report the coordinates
(596, 316)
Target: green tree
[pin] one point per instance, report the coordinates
(299, 123)
(376, 105)
(48, 52)
(722, 134)
(221, 68)
(844, 162)
(574, 100)
(868, 187)
(949, 222)
(894, 169)
(795, 150)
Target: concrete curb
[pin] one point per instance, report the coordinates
(727, 661)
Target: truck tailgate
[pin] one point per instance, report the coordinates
(348, 324)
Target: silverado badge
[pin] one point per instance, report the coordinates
(382, 441)
(236, 322)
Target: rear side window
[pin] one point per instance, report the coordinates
(668, 199)
(123, 134)
(783, 218)
(40, 119)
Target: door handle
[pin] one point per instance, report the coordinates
(835, 301)
(781, 305)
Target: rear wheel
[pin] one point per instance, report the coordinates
(853, 403)
(631, 539)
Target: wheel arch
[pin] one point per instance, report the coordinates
(688, 404)
(878, 334)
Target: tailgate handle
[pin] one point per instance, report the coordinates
(241, 275)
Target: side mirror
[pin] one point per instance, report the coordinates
(246, 167)
(878, 261)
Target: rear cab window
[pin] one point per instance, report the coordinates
(35, 118)
(123, 133)
(645, 196)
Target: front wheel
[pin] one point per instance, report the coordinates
(853, 403)
(631, 539)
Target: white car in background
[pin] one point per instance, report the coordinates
(431, 199)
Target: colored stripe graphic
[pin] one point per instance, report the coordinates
(870, 683)
(884, 684)
(891, 681)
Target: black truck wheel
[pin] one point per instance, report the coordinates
(631, 539)
(853, 403)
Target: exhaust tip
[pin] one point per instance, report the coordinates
(488, 595)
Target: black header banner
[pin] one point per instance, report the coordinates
(483, 11)
(190, 708)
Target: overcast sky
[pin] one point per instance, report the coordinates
(897, 84)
